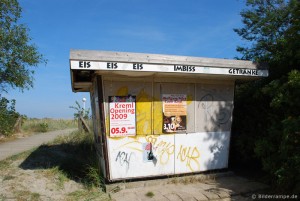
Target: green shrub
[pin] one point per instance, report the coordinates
(43, 127)
(79, 111)
(268, 133)
(8, 116)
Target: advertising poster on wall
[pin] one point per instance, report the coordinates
(122, 116)
(174, 113)
(147, 152)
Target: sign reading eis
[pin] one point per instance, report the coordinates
(119, 66)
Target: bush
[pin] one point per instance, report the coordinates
(43, 127)
(79, 111)
(268, 133)
(8, 116)
(266, 120)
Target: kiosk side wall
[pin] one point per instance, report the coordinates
(96, 96)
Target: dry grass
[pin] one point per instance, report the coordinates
(34, 126)
(59, 170)
(191, 179)
(30, 126)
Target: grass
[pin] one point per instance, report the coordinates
(4, 164)
(149, 194)
(94, 194)
(81, 166)
(27, 195)
(91, 194)
(30, 126)
(190, 179)
(8, 177)
(60, 176)
(71, 157)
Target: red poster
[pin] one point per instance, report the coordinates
(122, 120)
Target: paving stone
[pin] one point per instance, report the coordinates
(141, 193)
(226, 188)
(210, 195)
(241, 198)
(186, 196)
(125, 196)
(206, 185)
(162, 199)
(168, 189)
(224, 199)
(154, 198)
(223, 193)
(240, 185)
(201, 197)
(194, 191)
(173, 197)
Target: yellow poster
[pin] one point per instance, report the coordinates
(174, 113)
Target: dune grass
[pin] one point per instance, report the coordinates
(34, 125)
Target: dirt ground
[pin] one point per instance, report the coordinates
(42, 174)
(25, 184)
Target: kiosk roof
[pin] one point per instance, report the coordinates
(84, 63)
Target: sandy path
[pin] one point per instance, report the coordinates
(8, 149)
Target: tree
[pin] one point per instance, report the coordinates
(17, 55)
(16, 52)
(80, 111)
(266, 122)
(8, 116)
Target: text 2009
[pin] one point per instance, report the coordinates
(118, 116)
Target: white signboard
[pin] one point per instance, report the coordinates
(114, 66)
(122, 116)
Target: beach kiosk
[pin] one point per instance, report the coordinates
(159, 115)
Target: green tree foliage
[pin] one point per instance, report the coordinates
(16, 52)
(79, 111)
(17, 55)
(266, 127)
(8, 116)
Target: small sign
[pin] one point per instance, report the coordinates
(147, 152)
(122, 116)
(174, 113)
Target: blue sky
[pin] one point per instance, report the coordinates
(201, 28)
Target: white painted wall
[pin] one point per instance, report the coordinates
(174, 154)
(126, 157)
(201, 151)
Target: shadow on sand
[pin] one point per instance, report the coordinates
(73, 157)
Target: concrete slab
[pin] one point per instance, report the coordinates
(113, 187)
(240, 185)
(223, 188)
